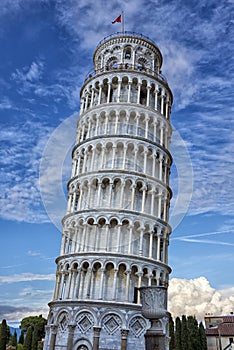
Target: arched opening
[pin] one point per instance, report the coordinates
(108, 282)
(121, 282)
(128, 53)
(96, 281)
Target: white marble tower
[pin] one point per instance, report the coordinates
(115, 231)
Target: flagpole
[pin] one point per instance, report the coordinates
(122, 22)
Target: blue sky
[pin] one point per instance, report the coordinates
(46, 51)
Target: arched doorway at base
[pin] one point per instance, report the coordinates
(83, 344)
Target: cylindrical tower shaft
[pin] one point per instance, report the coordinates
(116, 231)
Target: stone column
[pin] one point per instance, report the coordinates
(127, 285)
(53, 336)
(138, 93)
(133, 187)
(155, 130)
(145, 160)
(154, 307)
(160, 166)
(152, 192)
(92, 158)
(82, 105)
(124, 156)
(100, 94)
(97, 125)
(69, 274)
(141, 241)
(144, 188)
(56, 286)
(151, 245)
(71, 329)
(101, 284)
(77, 287)
(124, 338)
(156, 98)
(114, 284)
(162, 101)
(161, 134)
(92, 97)
(130, 239)
(158, 244)
(129, 91)
(119, 90)
(89, 273)
(148, 95)
(96, 336)
(108, 92)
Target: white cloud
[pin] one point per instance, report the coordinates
(20, 198)
(27, 276)
(29, 74)
(5, 103)
(14, 314)
(197, 297)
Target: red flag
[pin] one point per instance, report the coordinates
(118, 19)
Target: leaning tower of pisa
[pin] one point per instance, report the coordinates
(115, 231)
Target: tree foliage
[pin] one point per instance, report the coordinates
(178, 334)
(36, 337)
(21, 337)
(202, 336)
(37, 322)
(187, 334)
(171, 334)
(13, 340)
(3, 335)
(28, 339)
(184, 333)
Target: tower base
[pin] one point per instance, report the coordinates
(95, 325)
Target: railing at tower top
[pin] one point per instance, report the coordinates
(126, 67)
(128, 34)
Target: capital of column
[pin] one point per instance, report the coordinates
(53, 328)
(71, 328)
(124, 333)
(96, 331)
(139, 274)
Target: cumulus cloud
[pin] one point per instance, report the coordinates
(197, 297)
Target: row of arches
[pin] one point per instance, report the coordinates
(119, 193)
(125, 237)
(106, 280)
(126, 89)
(114, 122)
(85, 319)
(80, 328)
(122, 155)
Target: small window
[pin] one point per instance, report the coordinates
(140, 67)
(128, 54)
(115, 65)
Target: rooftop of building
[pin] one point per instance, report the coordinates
(223, 325)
